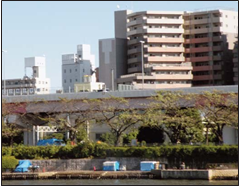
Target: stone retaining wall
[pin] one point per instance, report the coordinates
(131, 163)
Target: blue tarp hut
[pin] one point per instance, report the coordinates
(111, 166)
(23, 166)
(52, 141)
(147, 165)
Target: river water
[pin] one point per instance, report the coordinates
(145, 182)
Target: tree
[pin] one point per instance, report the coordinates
(172, 112)
(218, 110)
(70, 115)
(117, 114)
(9, 127)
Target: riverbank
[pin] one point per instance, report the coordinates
(154, 174)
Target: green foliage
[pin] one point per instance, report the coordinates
(9, 162)
(101, 150)
(198, 155)
(6, 151)
(127, 138)
(59, 136)
(108, 138)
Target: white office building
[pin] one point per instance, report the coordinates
(76, 66)
(36, 83)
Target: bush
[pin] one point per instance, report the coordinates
(9, 162)
(198, 155)
(6, 151)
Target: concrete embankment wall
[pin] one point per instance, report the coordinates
(131, 163)
(197, 174)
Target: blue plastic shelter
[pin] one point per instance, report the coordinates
(23, 166)
(111, 166)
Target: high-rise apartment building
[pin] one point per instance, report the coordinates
(36, 83)
(209, 40)
(236, 63)
(76, 66)
(162, 51)
(176, 49)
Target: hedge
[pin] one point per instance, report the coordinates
(174, 154)
(9, 162)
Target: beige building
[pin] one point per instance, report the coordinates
(163, 51)
(209, 38)
(180, 49)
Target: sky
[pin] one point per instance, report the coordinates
(53, 28)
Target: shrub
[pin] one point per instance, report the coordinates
(6, 151)
(9, 162)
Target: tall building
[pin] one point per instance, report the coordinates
(162, 51)
(113, 54)
(36, 83)
(209, 41)
(112, 61)
(76, 66)
(236, 63)
(168, 49)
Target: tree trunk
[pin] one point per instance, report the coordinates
(207, 136)
(118, 139)
(11, 141)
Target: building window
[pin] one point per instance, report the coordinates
(35, 71)
(70, 80)
(64, 70)
(76, 70)
(65, 81)
(70, 70)
(76, 80)
(98, 136)
(39, 82)
(83, 70)
(38, 89)
(46, 82)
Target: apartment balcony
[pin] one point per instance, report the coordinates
(217, 77)
(164, 30)
(139, 21)
(203, 30)
(134, 51)
(18, 86)
(198, 40)
(166, 77)
(202, 77)
(235, 69)
(217, 67)
(203, 21)
(176, 68)
(199, 49)
(202, 68)
(217, 58)
(217, 39)
(206, 68)
(168, 49)
(135, 32)
(217, 48)
(235, 60)
(165, 59)
(134, 60)
(199, 59)
(134, 41)
(165, 40)
(134, 69)
(164, 21)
